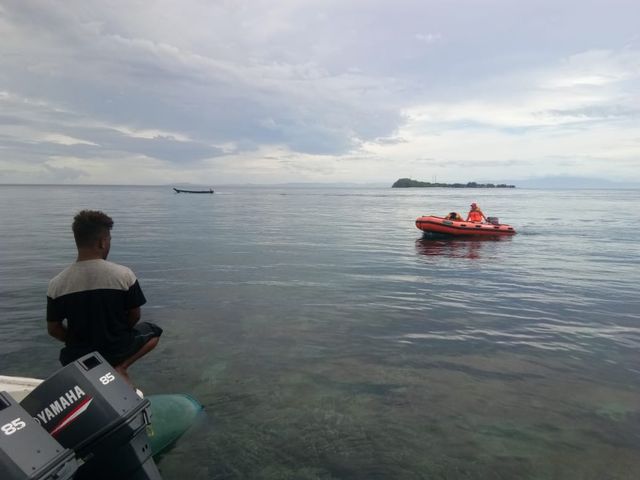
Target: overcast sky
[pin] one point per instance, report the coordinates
(269, 91)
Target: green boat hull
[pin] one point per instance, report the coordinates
(171, 416)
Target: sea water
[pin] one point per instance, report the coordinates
(328, 340)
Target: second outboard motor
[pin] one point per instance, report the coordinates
(27, 451)
(88, 407)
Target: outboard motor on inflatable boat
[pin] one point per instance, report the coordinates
(27, 451)
(88, 407)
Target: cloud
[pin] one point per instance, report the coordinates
(539, 98)
(314, 90)
(151, 83)
(66, 140)
(428, 37)
(64, 174)
(390, 140)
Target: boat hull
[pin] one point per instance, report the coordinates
(180, 190)
(441, 226)
(171, 416)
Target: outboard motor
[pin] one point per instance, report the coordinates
(493, 220)
(27, 451)
(88, 407)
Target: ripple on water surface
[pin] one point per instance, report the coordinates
(328, 339)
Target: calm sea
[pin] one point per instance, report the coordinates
(328, 340)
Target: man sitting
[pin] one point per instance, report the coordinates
(100, 301)
(475, 214)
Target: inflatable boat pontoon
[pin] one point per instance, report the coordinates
(444, 227)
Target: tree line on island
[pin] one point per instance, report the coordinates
(408, 183)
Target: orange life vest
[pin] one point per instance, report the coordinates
(475, 216)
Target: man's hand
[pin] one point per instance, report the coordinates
(57, 330)
(133, 316)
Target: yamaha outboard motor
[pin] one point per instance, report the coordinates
(88, 407)
(27, 451)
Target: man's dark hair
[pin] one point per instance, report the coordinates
(89, 226)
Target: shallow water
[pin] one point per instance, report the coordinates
(328, 340)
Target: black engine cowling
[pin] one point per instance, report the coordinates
(89, 408)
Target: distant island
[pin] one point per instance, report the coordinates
(408, 183)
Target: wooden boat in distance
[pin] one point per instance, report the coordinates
(180, 190)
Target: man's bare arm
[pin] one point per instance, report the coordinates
(133, 316)
(57, 330)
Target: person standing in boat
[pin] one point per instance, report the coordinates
(475, 214)
(99, 300)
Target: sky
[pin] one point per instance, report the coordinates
(274, 91)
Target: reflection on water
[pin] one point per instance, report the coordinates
(455, 247)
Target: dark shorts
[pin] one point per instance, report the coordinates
(142, 333)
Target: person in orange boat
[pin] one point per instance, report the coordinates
(455, 216)
(475, 214)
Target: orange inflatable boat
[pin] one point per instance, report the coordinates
(442, 226)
